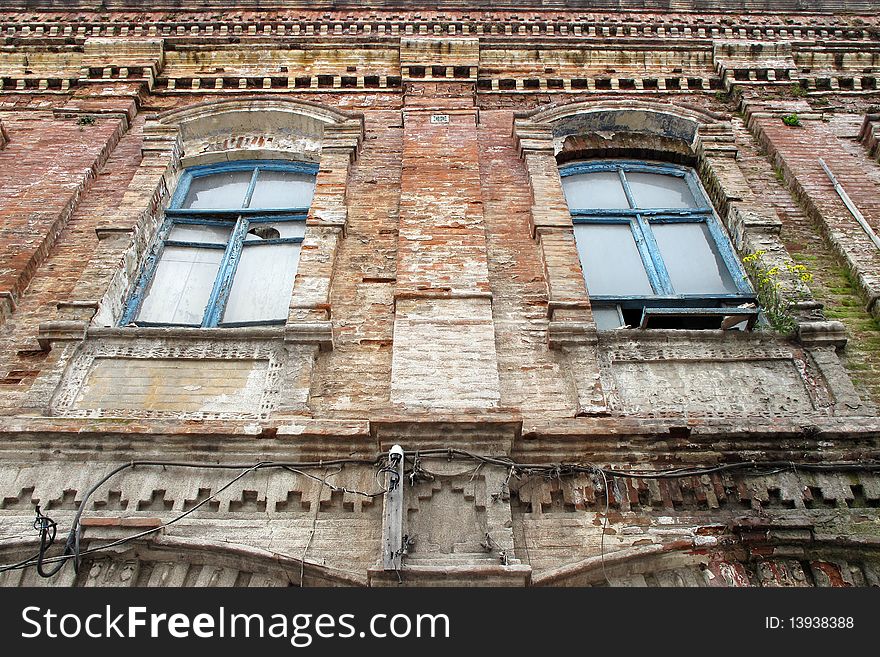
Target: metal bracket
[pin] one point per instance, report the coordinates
(394, 543)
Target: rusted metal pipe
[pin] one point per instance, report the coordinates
(853, 210)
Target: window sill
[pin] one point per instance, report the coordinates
(578, 333)
(317, 333)
(738, 315)
(666, 335)
(186, 333)
(314, 333)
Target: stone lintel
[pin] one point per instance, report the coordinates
(754, 216)
(81, 311)
(112, 231)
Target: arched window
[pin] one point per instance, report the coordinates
(652, 250)
(228, 250)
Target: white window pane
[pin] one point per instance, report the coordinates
(611, 261)
(692, 260)
(263, 283)
(594, 191)
(654, 190)
(607, 317)
(202, 234)
(283, 189)
(181, 286)
(268, 231)
(218, 191)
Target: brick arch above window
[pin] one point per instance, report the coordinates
(675, 126)
(263, 127)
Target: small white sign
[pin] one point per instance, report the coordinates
(439, 119)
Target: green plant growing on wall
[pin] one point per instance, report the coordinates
(775, 306)
(85, 120)
(791, 120)
(797, 91)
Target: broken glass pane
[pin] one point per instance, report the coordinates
(594, 191)
(611, 261)
(692, 259)
(262, 232)
(607, 317)
(181, 286)
(263, 283)
(268, 231)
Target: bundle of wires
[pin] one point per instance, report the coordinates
(47, 528)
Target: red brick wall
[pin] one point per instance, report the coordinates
(48, 163)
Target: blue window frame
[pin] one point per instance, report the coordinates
(228, 249)
(652, 250)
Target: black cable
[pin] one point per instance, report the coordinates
(675, 473)
(48, 529)
(553, 471)
(72, 545)
(333, 487)
(24, 563)
(76, 554)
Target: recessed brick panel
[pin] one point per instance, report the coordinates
(169, 384)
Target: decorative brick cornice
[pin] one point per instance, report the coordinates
(526, 53)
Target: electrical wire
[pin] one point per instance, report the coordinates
(302, 559)
(48, 529)
(73, 552)
(333, 487)
(77, 553)
(72, 546)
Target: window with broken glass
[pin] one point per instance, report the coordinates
(228, 249)
(652, 250)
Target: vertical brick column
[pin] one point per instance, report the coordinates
(552, 226)
(310, 315)
(572, 328)
(444, 337)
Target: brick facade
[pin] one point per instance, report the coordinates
(439, 301)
